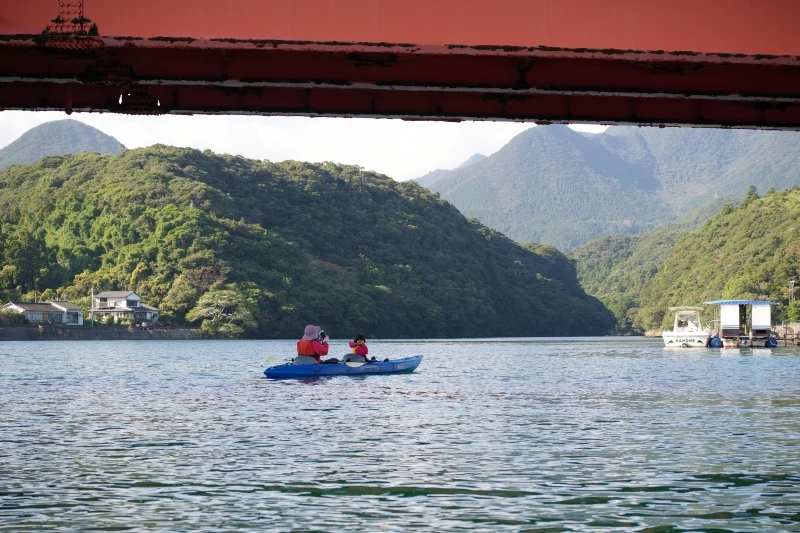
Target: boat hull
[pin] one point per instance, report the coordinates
(686, 340)
(292, 371)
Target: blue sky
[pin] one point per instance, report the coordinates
(397, 148)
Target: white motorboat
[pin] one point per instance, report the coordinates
(687, 331)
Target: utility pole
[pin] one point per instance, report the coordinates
(91, 308)
(791, 290)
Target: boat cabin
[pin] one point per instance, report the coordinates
(687, 330)
(745, 321)
(687, 319)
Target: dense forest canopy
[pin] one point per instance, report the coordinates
(254, 248)
(751, 251)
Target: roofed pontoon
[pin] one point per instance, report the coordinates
(736, 328)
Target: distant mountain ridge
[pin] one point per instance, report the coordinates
(55, 138)
(692, 165)
(435, 175)
(553, 185)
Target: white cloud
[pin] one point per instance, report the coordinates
(400, 149)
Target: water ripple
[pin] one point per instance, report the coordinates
(529, 435)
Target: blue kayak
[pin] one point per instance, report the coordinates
(395, 366)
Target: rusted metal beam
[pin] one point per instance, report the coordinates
(442, 105)
(528, 71)
(185, 76)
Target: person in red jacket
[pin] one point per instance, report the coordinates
(359, 346)
(314, 343)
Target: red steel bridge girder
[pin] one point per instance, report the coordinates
(706, 26)
(186, 75)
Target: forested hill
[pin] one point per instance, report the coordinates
(615, 268)
(253, 248)
(553, 185)
(57, 138)
(749, 251)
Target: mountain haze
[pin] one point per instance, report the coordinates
(553, 185)
(556, 186)
(58, 137)
(693, 165)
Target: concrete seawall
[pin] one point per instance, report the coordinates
(104, 333)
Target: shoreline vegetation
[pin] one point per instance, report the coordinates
(241, 248)
(748, 251)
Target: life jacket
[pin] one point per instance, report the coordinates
(355, 347)
(305, 348)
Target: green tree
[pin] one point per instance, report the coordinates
(181, 298)
(752, 195)
(225, 312)
(793, 311)
(10, 318)
(49, 295)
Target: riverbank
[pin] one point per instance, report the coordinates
(100, 333)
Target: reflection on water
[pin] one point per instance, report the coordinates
(487, 435)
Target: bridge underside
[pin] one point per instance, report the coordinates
(405, 81)
(213, 67)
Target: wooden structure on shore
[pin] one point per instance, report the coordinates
(790, 334)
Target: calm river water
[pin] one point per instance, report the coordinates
(537, 435)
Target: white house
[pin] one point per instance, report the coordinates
(121, 305)
(63, 313)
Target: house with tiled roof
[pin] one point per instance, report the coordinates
(123, 305)
(58, 313)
